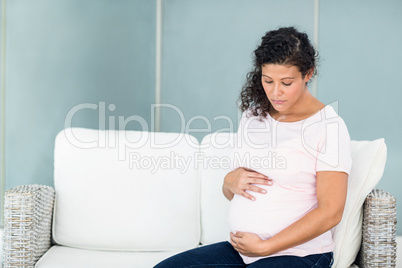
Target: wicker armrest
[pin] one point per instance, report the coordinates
(379, 231)
(28, 211)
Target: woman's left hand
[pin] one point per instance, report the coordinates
(248, 244)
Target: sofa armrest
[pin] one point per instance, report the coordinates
(379, 231)
(28, 211)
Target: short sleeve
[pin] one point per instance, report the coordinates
(334, 150)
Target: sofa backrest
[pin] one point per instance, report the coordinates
(113, 194)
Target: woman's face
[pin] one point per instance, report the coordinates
(284, 86)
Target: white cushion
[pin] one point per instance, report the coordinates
(216, 151)
(368, 159)
(66, 257)
(109, 196)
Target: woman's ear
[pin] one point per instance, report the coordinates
(309, 75)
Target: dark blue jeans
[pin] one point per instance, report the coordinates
(223, 255)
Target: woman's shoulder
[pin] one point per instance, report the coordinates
(326, 118)
(330, 114)
(324, 113)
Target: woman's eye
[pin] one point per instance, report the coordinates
(268, 82)
(286, 84)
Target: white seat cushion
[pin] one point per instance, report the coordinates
(66, 257)
(113, 194)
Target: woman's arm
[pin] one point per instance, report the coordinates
(331, 197)
(242, 179)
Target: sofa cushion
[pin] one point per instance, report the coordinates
(369, 159)
(66, 257)
(216, 151)
(113, 194)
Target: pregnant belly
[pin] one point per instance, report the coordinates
(271, 212)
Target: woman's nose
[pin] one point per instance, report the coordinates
(277, 90)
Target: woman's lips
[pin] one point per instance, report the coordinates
(277, 102)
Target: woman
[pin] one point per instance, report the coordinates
(281, 213)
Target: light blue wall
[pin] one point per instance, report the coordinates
(360, 44)
(64, 53)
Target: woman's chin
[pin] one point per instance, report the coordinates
(280, 109)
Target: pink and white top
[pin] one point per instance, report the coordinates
(290, 153)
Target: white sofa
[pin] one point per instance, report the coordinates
(131, 199)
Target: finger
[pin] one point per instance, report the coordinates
(248, 196)
(238, 234)
(244, 252)
(240, 249)
(232, 236)
(256, 189)
(233, 239)
(237, 238)
(261, 181)
(256, 173)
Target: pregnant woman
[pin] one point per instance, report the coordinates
(290, 167)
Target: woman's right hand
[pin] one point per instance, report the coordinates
(242, 179)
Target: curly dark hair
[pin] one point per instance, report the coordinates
(285, 46)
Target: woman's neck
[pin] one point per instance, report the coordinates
(306, 106)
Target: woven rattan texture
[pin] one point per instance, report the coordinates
(379, 231)
(28, 213)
